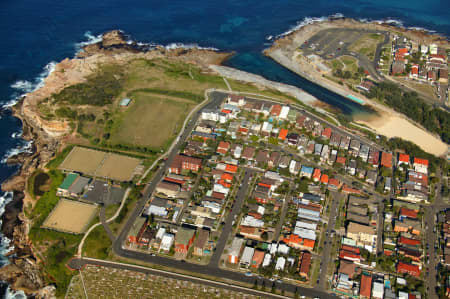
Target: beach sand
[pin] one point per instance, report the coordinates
(393, 125)
(385, 122)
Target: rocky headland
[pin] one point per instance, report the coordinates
(24, 272)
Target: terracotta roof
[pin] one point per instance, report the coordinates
(421, 161)
(326, 132)
(231, 168)
(324, 179)
(340, 160)
(408, 268)
(366, 286)
(334, 182)
(403, 158)
(257, 259)
(283, 134)
(276, 109)
(408, 213)
(306, 263)
(386, 159)
(316, 173)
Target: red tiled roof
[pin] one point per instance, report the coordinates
(218, 195)
(306, 263)
(226, 111)
(276, 109)
(366, 286)
(408, 268)
(326, 132)
(408, 241)
(334, 182)
(421, 161)
(257, 259)
(351, 248)
(231, 168)
(349, 189)
(403, 158)
(283, 134)
(316, 173)
(386, 159)
(408, 213)
(340, 160)
(227, 177)
(402, 51)
(324, 179)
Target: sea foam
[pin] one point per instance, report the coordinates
(22, 87)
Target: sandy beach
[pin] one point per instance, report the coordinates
(386, 122)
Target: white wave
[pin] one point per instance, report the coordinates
(421, 29)
(390, 21)
(172, 46)
(5, 246)
(90, 39)
(302, 23)
(17, 134)
(26, 147)
(11, 294)
(23, 86)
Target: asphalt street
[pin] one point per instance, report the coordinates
(215, 100)
(240, 198)
(328, 242)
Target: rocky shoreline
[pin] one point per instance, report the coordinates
(24, 272)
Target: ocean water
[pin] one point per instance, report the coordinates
(36, 33)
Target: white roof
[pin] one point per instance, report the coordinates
(247, 255)
(281, 261)
(283, 248)
(252, 221)
(307, 225)
(158, 211)
(273, 248)
(402, 295)
(261, 210)
(236, 246)
(284, 112)
(160, 233)
(305, 233)
(267, 260)
(378, 290)
(167, 241)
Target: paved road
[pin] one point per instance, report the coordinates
(216, 99)
(240, 198)
(380, 226)
(284, 210)
(430, 239)
(326, 253)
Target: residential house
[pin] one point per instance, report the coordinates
(223, 147)
(305, 264)
(184, 239)
(248, 153)
(409, 269)
(365, 290)
(235, 250)
(421, 165)
(364, 235)
(246, 257)
(257, 259)
(386, 159)
(200, 242)
(185, 163)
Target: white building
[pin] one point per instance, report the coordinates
(267, 260)
(377, 290)
(247, 256)
(208, 114)
(284, 112)
(235, 250)
(292, 167)
(281, 262)
(167, 242)
(283, 249)
(252, 221)
(423, 49)
(237, 152)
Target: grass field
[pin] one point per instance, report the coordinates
(97, 244)
(70, 216)
(102, 282)
(101, 164)
(151, 120)
(367, 44)
(158, 88)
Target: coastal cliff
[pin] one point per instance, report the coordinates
(48, 136)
